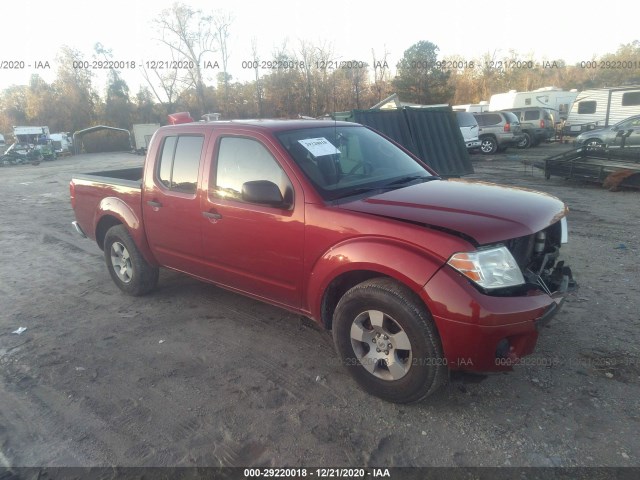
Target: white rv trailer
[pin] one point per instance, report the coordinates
(555, 99)
(472, 107)
(601, 107)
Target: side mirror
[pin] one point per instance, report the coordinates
(263, 192)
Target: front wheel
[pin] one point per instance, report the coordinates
(127, 267)
(387, 340)
(594, 143)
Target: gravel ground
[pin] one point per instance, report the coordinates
(195, 375)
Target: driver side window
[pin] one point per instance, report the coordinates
(243, 160)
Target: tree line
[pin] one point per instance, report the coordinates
(297, 80)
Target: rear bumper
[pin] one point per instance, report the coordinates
(486, 333)
(543, 134)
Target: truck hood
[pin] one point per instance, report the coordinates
(485, 212)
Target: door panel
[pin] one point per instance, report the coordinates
(171, 204)
(253, 248)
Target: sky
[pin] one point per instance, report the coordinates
(33, 31)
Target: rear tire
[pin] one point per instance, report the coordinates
(127, 267)
(388, 341)
(488, 145)
(526, 141)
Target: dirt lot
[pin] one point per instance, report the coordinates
(194, 375)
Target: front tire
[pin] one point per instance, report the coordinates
(388, 341)
(127, 267)
(594, 143)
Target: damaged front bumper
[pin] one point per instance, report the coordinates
(484, 333)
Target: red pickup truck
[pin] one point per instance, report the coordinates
(414, 274)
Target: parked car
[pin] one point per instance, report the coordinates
(498, 131)
(469, 129)
(415, 275)
(623, 134)
(537, 125)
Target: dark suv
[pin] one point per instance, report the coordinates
(498, 130)
(537, 125)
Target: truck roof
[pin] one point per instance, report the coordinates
(273, 125)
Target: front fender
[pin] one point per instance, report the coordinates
(406, 263)
(117, 208)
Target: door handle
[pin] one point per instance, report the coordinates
(212, 215)
(154, 204)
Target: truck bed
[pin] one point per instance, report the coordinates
(130, 177)
(90, 189)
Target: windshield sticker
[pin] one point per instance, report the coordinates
(319, 147)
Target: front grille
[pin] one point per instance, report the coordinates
(522, 249)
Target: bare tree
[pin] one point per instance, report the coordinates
(380, 73)
(256, 67)
(188, 33)
(307, 53)
(167, 84)
(221, 22)
(324, 95)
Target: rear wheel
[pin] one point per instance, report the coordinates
(387, 340)
(594, 143)
(526, 141)
(488, 145)
(127, 267)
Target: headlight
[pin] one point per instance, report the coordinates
(491, 268)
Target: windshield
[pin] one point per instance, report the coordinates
(344, 160)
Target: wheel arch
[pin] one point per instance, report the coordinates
(103, 226)
(485, 135)
(114, 211)
(350, 264)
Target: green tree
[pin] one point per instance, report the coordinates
(419, 79)
(13, 106)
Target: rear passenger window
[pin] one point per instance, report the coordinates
(180, 162)
(493, 119)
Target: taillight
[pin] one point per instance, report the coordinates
(507, 127)
(541, 123)
(72, 194)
